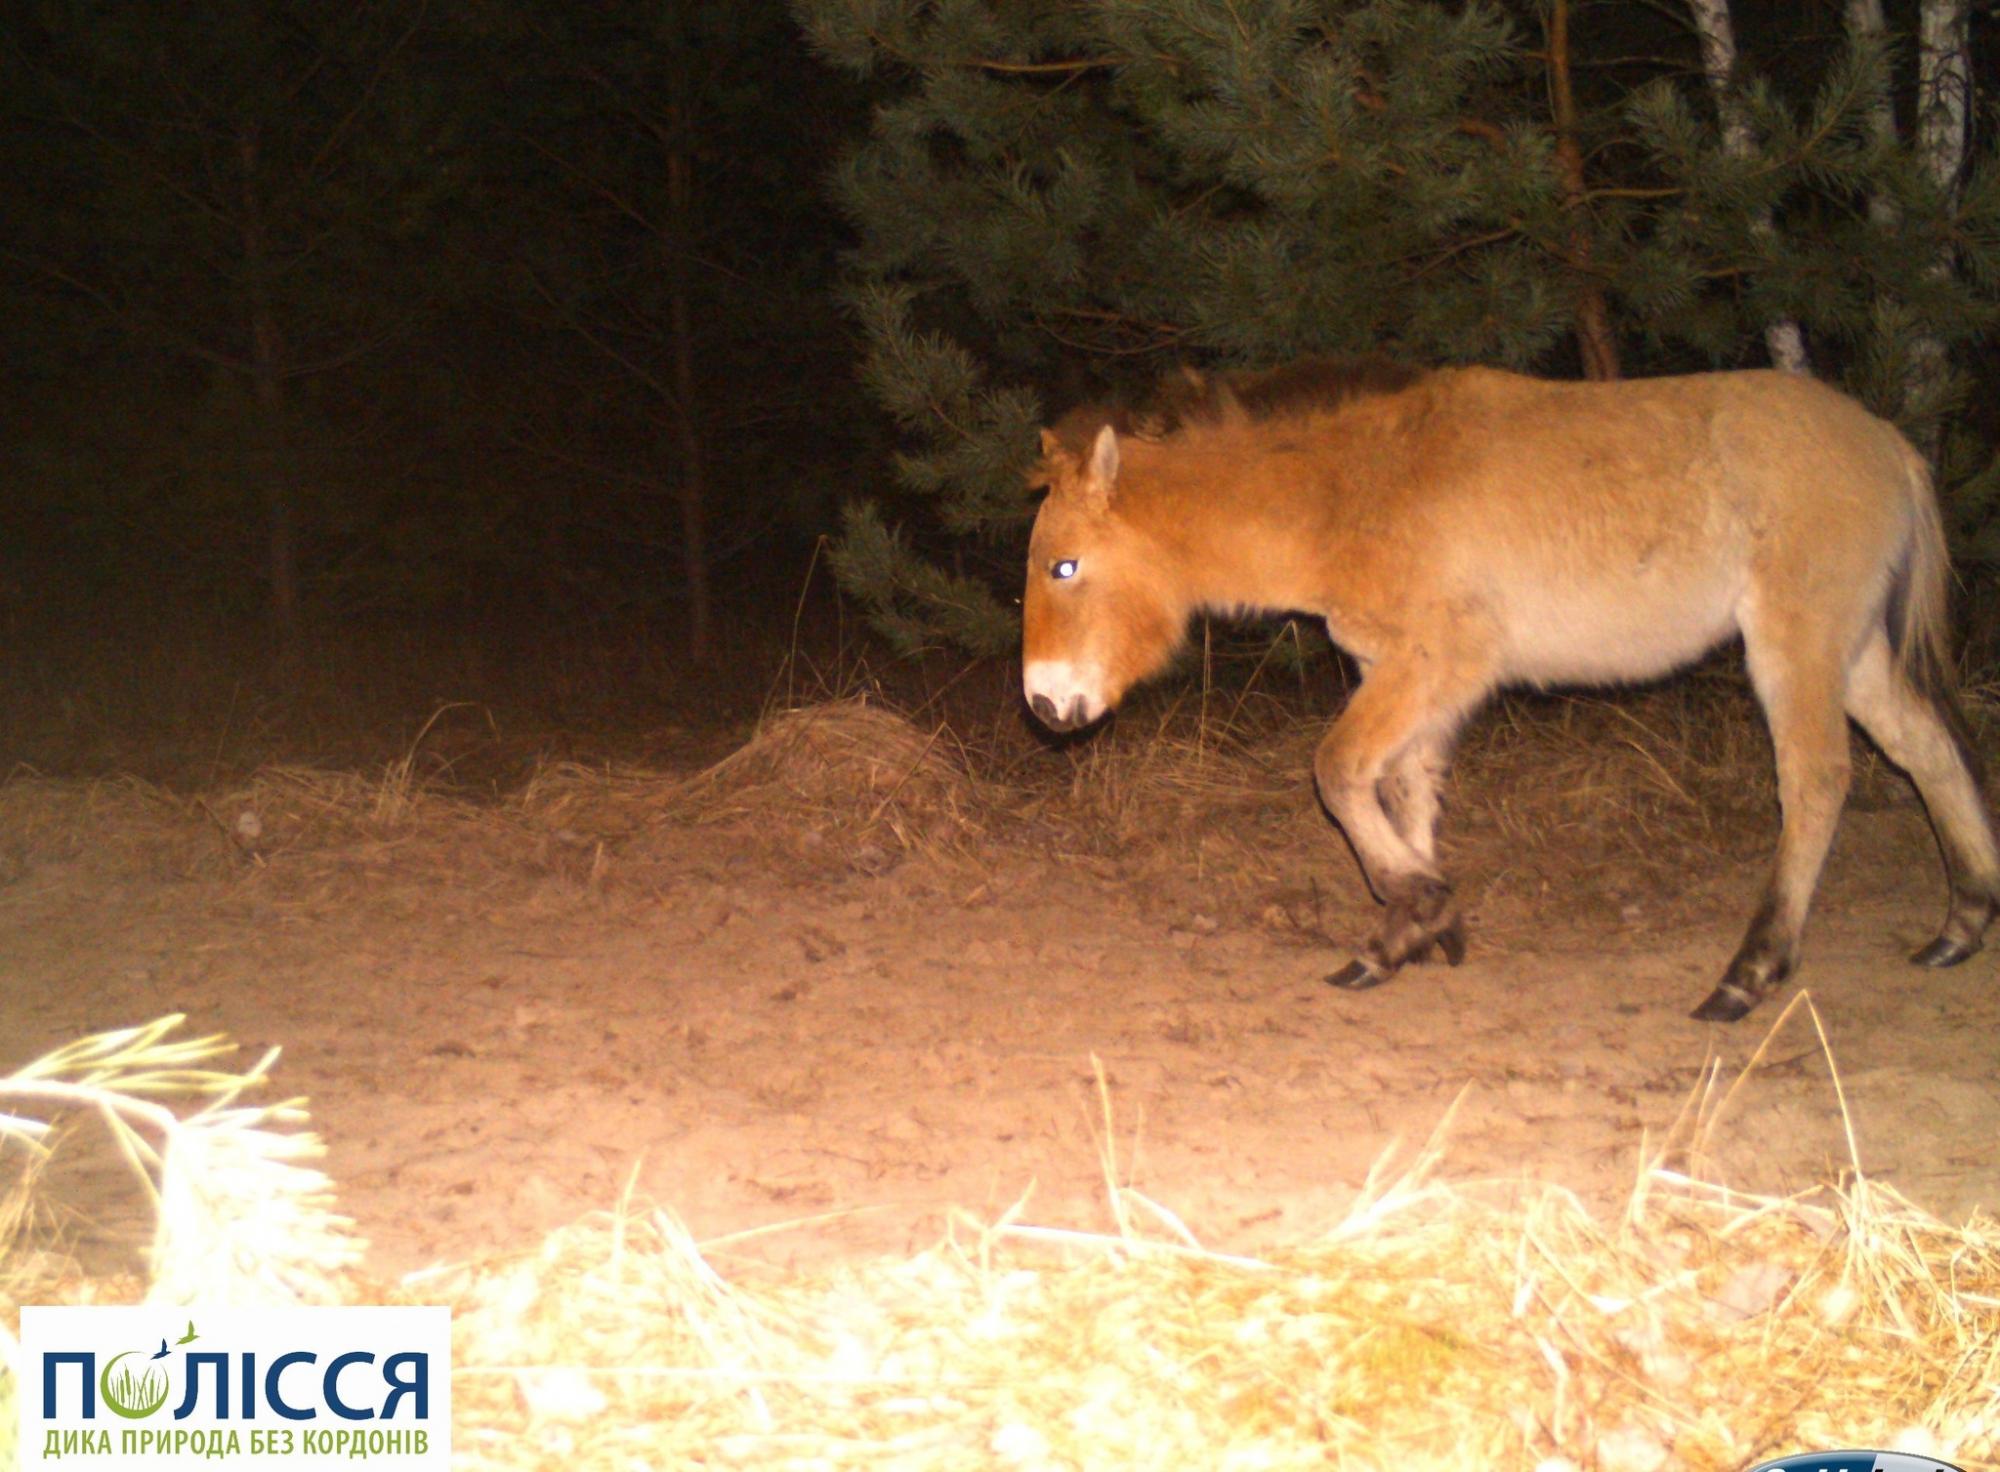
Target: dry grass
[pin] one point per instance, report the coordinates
(124, 825)
(850, 778)
(241, 1215)
(1637, 803)
(1442, 1325)
(1167, 776)
(854, 770)
(851, 782)
(118, 825)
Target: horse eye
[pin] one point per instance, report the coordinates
(1063, 568)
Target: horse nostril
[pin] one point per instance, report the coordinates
(1074, 717)
(1045, 710)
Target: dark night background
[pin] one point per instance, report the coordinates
(363, 357)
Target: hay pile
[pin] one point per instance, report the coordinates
(849, 775)
(844, 751)
(849, 779)
(1440, 1326)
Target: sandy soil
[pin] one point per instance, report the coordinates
(812, 1040)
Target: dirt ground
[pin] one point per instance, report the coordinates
(820, 999)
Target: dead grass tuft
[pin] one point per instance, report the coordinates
(847, 752)
(852, 775)
(1168, 777)
(117, 826)
(126, 826)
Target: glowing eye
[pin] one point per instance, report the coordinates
(1063, 568)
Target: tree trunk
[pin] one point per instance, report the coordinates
(1944, 104)
(275, 470)
(1944, 90)
(1716, 31)
(693, 478)
(1865, 22)
(1596, 342)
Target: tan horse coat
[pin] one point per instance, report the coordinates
(1470, 528)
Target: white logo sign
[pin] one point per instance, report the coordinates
(297, 1389)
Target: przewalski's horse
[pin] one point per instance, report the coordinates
(1463, 529)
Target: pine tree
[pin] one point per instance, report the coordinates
(1060, 200)
(664, 263)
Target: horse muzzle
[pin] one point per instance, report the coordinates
(1059, 697)
(1067, 719)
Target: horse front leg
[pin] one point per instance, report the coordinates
(1388, 740)
(1410, 795)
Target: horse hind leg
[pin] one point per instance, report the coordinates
(1914, 731)
(1393, 711)
(1802, 699)
(1409, 794)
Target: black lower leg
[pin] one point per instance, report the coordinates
(1419, 916)
(1760, 967)
(1972, 910)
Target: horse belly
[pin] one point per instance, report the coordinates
(1610, 631)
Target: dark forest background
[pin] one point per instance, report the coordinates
(383, 348)
(339, 310)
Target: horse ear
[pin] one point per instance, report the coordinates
(1055, 459)
(1102, 472)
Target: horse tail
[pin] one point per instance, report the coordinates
(1919, 599)
(1920, 614)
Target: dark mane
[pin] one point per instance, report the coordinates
(1306, 385)
(1188, 398)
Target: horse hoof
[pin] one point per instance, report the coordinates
(1727, 1003)
(1356, 976)
(1451, 940)
(1943, 952)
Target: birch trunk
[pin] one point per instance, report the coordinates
(1944, 90)
(1865, 23)
(1716, 31)
(1944, 105)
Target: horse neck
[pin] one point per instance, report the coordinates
(1245, 543)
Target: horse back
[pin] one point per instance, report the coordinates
(1583, 531)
